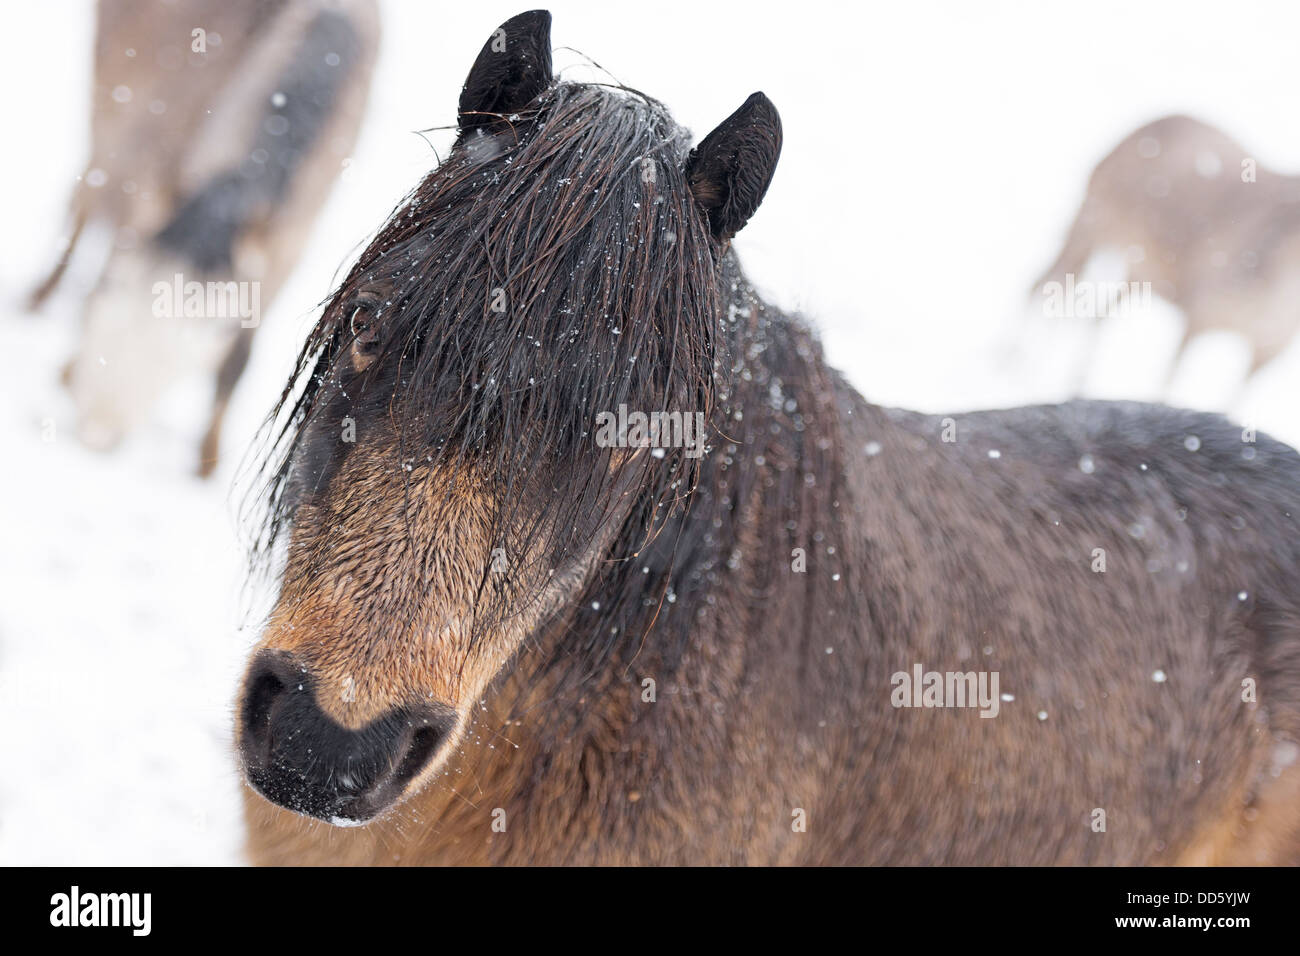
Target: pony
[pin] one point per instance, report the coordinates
(217, 132)
(518, 622)
(1202, 225)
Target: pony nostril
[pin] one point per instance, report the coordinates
(298, 756)
(267, 682)
(424, 742)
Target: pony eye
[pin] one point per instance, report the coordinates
(359, 321)
(362, 323)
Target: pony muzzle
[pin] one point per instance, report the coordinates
(300, 758)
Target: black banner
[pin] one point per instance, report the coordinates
(932, 905)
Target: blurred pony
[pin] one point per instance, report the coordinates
(217, 130)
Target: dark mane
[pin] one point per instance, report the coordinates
(576, 214)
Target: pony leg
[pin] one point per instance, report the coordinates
(1259, 357)
(1172, 371)
(1267, 836)
(1087, 358)
(1074, 255)
(42, 291)
(232, 367)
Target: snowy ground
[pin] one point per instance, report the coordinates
(934, 155)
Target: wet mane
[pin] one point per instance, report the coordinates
(575, 215)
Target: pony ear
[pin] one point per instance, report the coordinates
(730, 170)
(512, 68)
